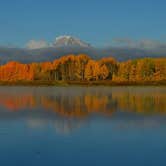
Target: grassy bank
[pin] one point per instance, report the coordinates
(81, 83)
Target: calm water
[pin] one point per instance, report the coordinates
(80, 126)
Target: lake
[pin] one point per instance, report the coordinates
(80, 126)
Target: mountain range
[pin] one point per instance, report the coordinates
(64, 45)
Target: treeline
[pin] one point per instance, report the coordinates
(83, 68)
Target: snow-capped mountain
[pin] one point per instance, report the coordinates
(63, 41)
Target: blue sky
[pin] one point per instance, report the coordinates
(95, 21)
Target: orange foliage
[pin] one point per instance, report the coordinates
(82, 67)
(14, 71)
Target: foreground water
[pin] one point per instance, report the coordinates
(82, 126)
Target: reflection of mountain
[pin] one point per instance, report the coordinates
(69, 107)
(61, 125)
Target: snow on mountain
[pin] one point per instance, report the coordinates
(63, 41)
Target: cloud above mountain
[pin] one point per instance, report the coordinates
(34, 44)
(141, 44)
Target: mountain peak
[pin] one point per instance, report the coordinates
(68, 40)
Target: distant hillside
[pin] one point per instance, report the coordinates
(51, 53)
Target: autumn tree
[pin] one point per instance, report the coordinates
(111, 65)
(103, 72)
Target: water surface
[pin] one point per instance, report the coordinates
(82, 126)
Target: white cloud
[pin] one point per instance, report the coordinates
(142, 44)
(33, 44)
(149, 44)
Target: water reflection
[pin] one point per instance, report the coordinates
(68, 108)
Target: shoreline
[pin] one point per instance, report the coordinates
(82, 83)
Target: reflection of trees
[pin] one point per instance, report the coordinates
(68, 108)
(65, 105)
(141, 101)
(69, 104)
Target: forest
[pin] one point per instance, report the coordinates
(81, 68)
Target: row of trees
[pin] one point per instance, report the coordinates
(146, 69)
(83, 68)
